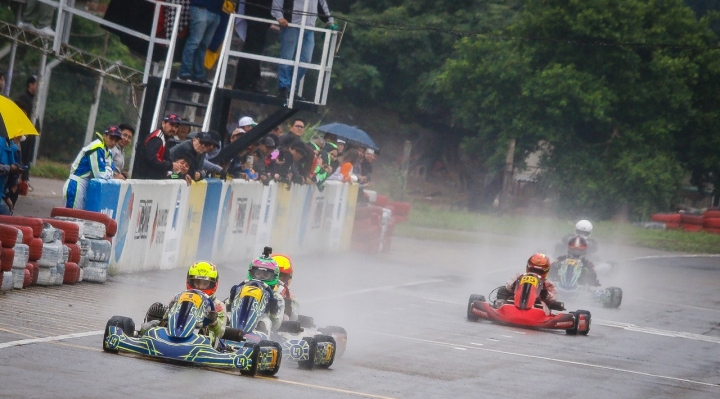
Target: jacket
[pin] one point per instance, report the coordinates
(157, 164)
(548, 294)
(93, 161)
(292, 11)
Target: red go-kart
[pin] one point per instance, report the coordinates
(525, 309)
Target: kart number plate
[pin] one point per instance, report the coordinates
(530, 280)
(251, 291)
(191, 297)
(572, 262)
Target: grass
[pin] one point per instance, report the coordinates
(50, 169)
(463, 226)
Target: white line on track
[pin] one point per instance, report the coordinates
(590, 365)
(366, 290)
(656, 331)
(678, 304)
(48, 339)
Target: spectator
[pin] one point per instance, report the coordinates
(277, 133)
(194, 150)
(344, 172)
(248, 71)
(156, 151)
(180, 168)
(182, 134)
(118, 152)
(11, 192)
(366, 166)
(285, 167)
(340, 146)
(263, 158)
(209, 167)
(289, 37)
(2, 83)
(9, 170)
(93, 161)
(297, 128)
(246, 123)
(25, 101)
(204, 19)
(236, 168)
(42, 12)
(318, 140)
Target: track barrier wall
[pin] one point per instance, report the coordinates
(167, 224)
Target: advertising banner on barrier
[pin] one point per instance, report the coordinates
(346, 210)
(267, 216)
(192, 221)
(279, 234)
(208, 226)
(240, 211)
(163, 236)
(333, 222)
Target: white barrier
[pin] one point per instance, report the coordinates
(166, 224)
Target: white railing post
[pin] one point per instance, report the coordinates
(296, 64)
(168, 64)
(321, 73)
(331, 58)
(151, 44)
(59, 26)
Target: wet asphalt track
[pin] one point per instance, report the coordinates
(408, 336)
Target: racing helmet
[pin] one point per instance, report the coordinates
(285, 265)
(577, 246)
(203, 276)
(265, 270)
(583, 228)
(538, 264)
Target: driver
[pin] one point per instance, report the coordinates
(577, 249)
(538, 264)
(286, 274)
(265, 269)
(583, 229)
(202, 276)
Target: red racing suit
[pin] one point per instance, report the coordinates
(548, 294)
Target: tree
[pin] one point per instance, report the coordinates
(614, 114)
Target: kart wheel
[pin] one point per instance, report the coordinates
(321, 339)
(156, 311)
(306, 321)
(575, 330)
(473, 298)
(252, 372)
(278, 348)
(126, 324)
(613, 299)
(340, 336)
(310, 363)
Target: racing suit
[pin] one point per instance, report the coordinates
(588, 275)
(291, 303)
(548, 294)
(274, 311)
(93, 161)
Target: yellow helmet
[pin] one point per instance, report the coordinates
(203, 276)
(284, 263)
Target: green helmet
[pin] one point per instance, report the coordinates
(265, 270)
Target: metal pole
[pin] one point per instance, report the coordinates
(218, 71)
(301, 36)
(59, 27)
(507, 178)
(94, 110)
(407, 149)
(137, 128)
(42, 95)
(13, 52)
(39, 102)
(68, 23)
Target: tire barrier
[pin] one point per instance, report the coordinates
(99, 251)
(77, 214)
(73, 230)
(8, 236)
(34, 223)
(52, 254)
(91, 228)
(48, 234)
(94, 274)
(6, 283)
(72, 273)
(374, 224)
(708, 222)
(6, 259)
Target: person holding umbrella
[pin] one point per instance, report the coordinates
(14, 124)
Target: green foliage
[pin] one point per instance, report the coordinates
(617, 122)
(50, 169)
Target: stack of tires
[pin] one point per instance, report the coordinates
(711, 221)
(93, 245)
(671, 220)
(23, 245)
(367, 229)
(53, 258)
(69, 234)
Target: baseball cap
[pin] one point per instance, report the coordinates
(246, 121)
(172, 118)
(206, 137)
(339, 141)
(113, 131)
(369, 151)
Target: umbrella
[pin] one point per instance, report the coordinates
(349, 132)
(13, 122)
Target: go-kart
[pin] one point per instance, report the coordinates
(180, 334)
(567, 275)
(246, 313)
(524, 308)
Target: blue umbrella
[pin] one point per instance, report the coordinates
(349, 132)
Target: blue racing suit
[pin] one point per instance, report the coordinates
(7, 159)
(93, 161)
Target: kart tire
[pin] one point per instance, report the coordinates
(72, 273)
(306, 321)
(278, 348)
(7, 257)
(156, 311)
(336, 331)
(252, 372)
(27, 234)
(34, 223)
(614, 298)
(230, 334)
(574, 329)
(71, 229)
(91, 229)
(292, 327)
(35, 249)
(473, 298)
(126, 324)
(327, 338)
(110, 224)
(8, 235)
(310, 363)
(74, 252)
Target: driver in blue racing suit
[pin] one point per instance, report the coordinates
(265, 269)
(202, 276)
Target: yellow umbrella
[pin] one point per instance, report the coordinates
(13, 122)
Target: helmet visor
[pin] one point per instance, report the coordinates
(201, 283)
(262, 274)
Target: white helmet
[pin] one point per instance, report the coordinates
(583, 228)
